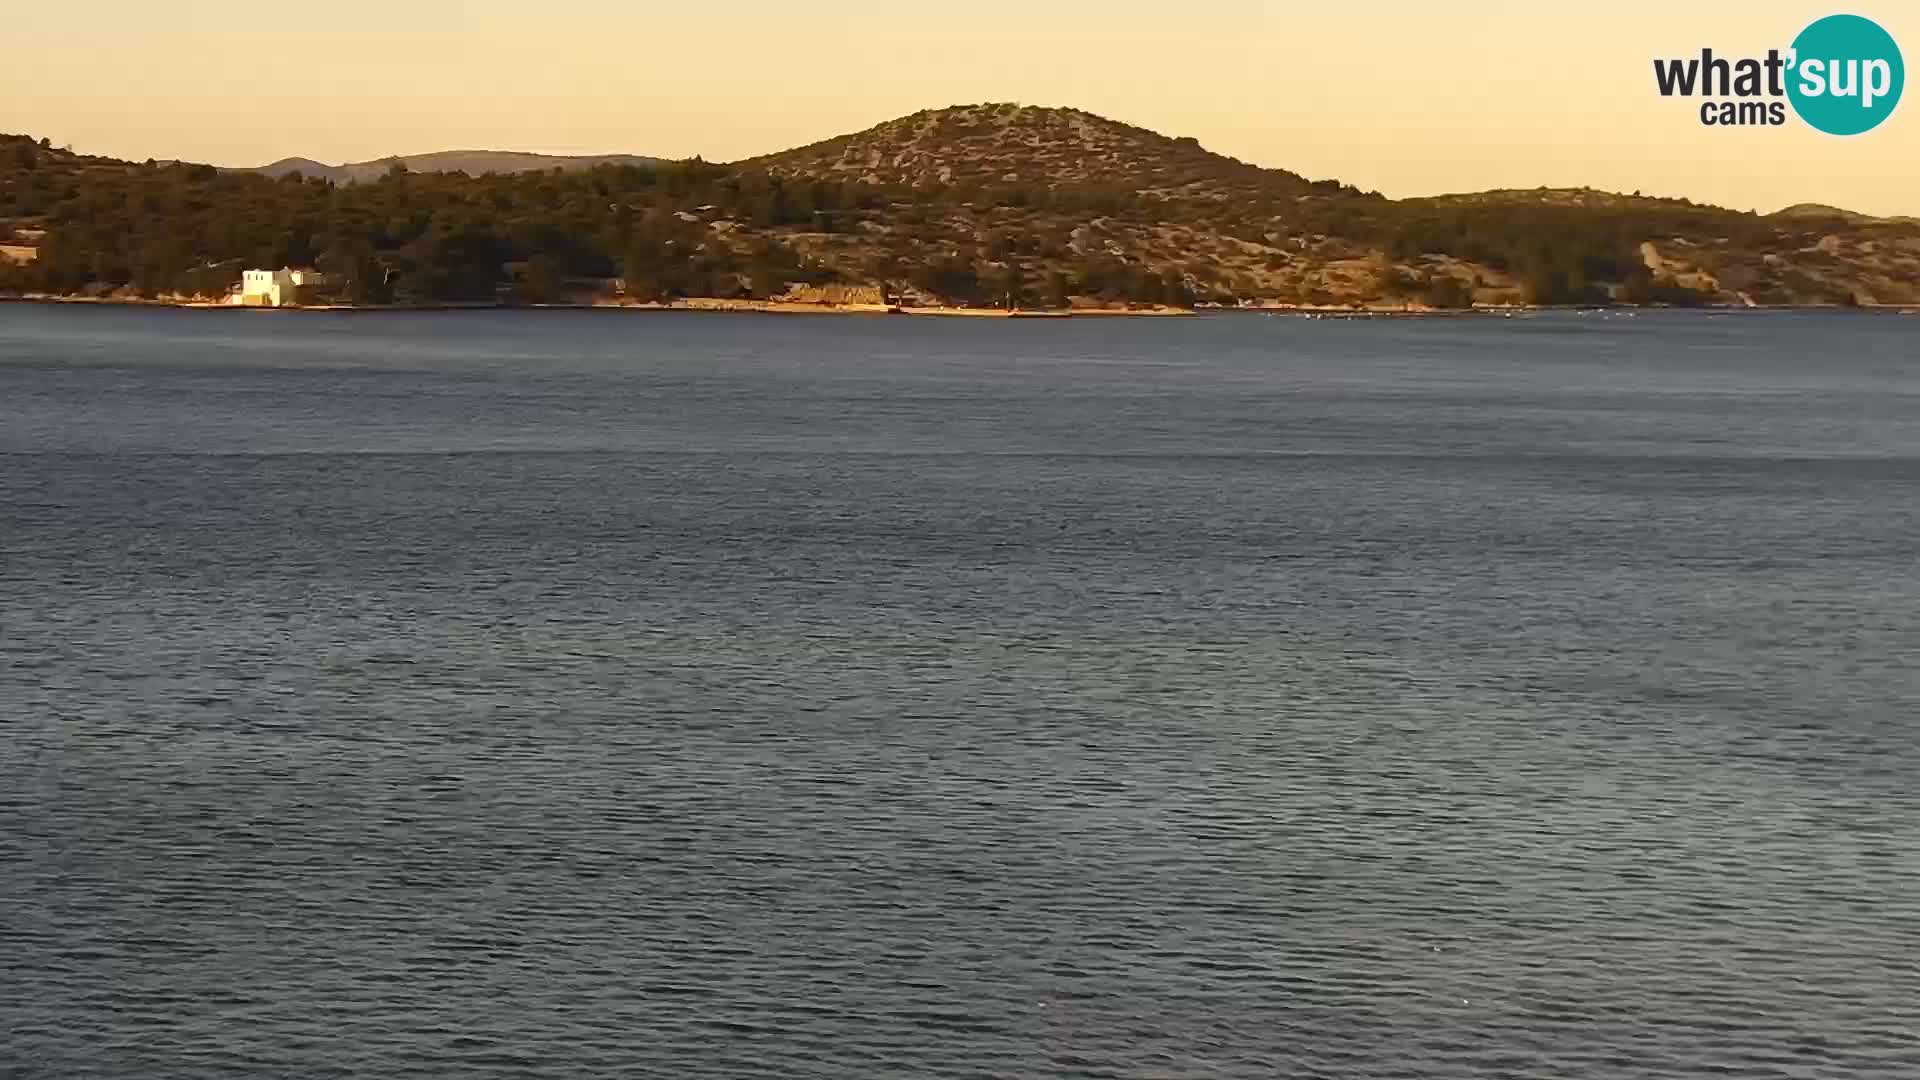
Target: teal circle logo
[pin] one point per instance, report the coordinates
(1847, 75)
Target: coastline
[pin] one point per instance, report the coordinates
(691, 303)
(711, 304)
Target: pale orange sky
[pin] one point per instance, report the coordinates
(1410, 98)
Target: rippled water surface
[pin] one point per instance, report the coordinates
(568, 695)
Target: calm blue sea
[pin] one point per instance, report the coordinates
(570, 694)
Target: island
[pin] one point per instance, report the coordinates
(985, 209)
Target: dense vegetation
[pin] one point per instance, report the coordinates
(408, 238)
(975, 236)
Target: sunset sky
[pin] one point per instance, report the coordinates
(1410, 98)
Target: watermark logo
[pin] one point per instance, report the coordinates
(1850, 75)
(1843, 75)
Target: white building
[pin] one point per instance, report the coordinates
(274, 288)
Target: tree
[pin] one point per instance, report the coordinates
(1005, 286)
(1446, 291)
(543, 280)
(457, 262)
(1058, 292)
(951, 278)
(766, 280)
(1175, 291)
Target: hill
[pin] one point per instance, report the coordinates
(1821, 210)
(1048, 190)
(982, 205)
(1851, 217)
(1582, 198)
(1020, 145)
(471, 162)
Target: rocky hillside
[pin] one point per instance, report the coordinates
(982, 205)
(1022, 145)
(1019, 190)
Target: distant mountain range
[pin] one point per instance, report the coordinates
(471, 162)
(1851, 217)
(1054, 146)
